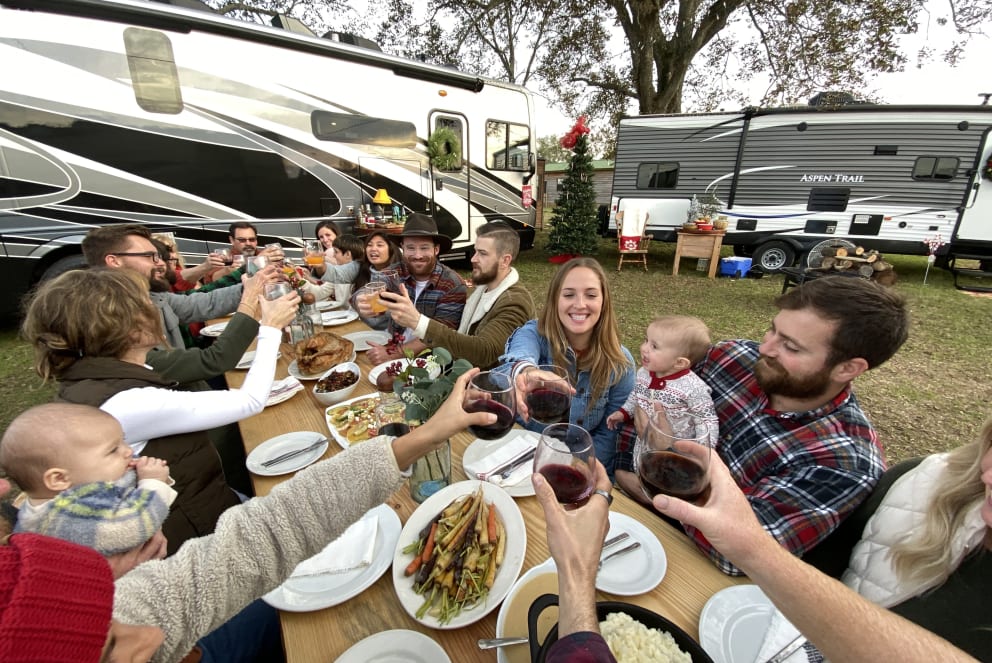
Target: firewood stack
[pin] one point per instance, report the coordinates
(868, 264)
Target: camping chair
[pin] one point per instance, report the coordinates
(631, 240)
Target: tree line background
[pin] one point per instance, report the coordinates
(608, 58)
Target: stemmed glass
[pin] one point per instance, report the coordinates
(275, 290)
(548, 394)
(491, 392)
(675, 458)
(565, 457)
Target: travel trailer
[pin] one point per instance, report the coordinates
(129, 111)
(885, 177)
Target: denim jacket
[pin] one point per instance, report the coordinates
(527, 345)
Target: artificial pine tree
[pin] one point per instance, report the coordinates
(574, 224)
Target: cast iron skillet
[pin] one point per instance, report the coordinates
(539, 650)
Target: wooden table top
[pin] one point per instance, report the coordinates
(323, 635)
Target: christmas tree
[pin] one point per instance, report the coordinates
(574, 224)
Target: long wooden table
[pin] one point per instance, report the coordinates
(323, 635)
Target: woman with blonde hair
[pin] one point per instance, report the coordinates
(91, 331)
(577, 330)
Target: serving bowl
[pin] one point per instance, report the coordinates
(338, 395)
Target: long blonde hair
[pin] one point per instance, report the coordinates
(926, 557)
(95, 312)
(606, 364)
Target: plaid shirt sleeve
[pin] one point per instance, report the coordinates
(234, 278)
(581, 647)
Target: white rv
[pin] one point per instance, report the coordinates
(884, 177)
(128, 111)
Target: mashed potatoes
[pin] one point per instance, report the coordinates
(633, 642)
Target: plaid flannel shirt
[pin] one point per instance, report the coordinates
(443, 299)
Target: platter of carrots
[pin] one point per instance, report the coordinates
(459, 554)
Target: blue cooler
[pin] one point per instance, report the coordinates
(737, 267)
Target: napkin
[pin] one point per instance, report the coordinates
(280, 388)
(352, 550)
(781, 632)
(516, 443)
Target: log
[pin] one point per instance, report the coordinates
(871, 257)
(859, 250)
(887, 277)
(834, 251)
(881, 266)
(866, 271)
(843, 265)
(827, 263)
(841, 252)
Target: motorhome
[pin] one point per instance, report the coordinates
(898, 179)
(131, 111)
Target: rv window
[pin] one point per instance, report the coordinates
(347, 128)
(935, 168)
(507, 146)
(657, 175)
(455, 125)
(154, 78)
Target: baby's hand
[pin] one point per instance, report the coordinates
(151, 468)
(614, 419)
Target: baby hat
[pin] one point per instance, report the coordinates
(56, 600)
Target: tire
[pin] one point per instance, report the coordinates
(773, 256)
(63, 265)
(743, 250)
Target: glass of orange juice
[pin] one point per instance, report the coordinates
(375, 288)
(313, 253)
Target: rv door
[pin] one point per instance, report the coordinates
(976, 218)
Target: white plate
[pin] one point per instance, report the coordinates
(283, 396)
(294, 369)
(637, 571)
(481, 448)
(328, 305)
(403, 361)
(340, 439)
(506, 575)
(733, 624)
(396, 646)
(361, 339)
(214, 330)
(280, 445)
(247, 358)
(308, 593)
(544, 567)
(335, 318)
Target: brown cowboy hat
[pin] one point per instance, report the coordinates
(422, 225)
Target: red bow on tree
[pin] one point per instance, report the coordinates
(569, 140)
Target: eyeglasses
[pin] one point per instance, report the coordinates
(141, 254)
(173, 261)
(246, 240)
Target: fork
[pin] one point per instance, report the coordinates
(293, 454)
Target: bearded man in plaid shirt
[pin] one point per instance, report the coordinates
(791, 429)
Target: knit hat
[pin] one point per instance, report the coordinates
(56, 600)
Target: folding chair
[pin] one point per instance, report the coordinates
(632, 243)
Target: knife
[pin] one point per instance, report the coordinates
(616, 553)
(788, 650)
(509, 465)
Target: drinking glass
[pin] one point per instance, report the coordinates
(391, 278)
(548, 394)
(274, 251)
(313, 253)
(565, 457)
(238, 261)
(276, 290)
(675, 455)
(374, 288)
(256, 264)
(225, 255)
(491, 392)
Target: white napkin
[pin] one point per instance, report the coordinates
(780, 633)
(289, 385)
(352, 550)
(517, 442)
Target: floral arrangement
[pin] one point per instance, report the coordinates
(425, 381)
(569, 140)
(933, 243)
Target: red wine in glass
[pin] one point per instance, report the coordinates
(669, 473)
(396, 428)
(504, 418)
(570, 484)
(548, 406)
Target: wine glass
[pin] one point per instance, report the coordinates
(225, 255)
(391, 278)
(674, 458)
(491, 392)
(256, 264)
(548, 394)
(313, 253)
(565, 457)
(275, 290)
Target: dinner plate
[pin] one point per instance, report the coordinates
(281, 393)
(637, 571)
(506, 575)
(328, 305)
(479, 449)
(308, 593)
(375, 371)
(733, 624)
(361, 339)
(247, 358)
(214, 330)
(335, 318)
(342, 441)
(396, 646)
(294, 369)
(282, 444)
(547, 566)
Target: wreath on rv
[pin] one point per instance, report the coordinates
(444, 149)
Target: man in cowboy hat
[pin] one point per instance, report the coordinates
(497, 306)
(437, 291)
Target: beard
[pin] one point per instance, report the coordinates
(775, 380)
(480, 277)
(158, 283)
(421, 270)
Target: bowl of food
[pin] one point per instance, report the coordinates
(704, 226)
(337, 383)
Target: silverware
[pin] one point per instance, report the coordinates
(785, 652)
(500, 642)
(506, 468)
(622, 536)
(616, 553)
(293, 454)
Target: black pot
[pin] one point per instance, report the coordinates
(539, 650)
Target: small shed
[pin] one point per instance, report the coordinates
(602, 181)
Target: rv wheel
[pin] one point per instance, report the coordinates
(773, 256)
